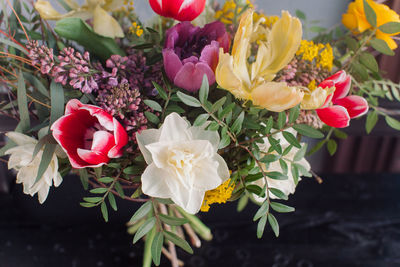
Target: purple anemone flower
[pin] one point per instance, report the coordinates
(190, 52)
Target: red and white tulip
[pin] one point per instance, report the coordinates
(182, 10)
(89, 135)
(339, 108)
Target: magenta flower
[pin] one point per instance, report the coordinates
(190, 52)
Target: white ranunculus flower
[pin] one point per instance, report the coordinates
(286, 186)
(183, 162)
(21, 160)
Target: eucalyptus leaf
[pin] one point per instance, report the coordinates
(144, 229)
(178, 241)
(142, 211)
(188, 100)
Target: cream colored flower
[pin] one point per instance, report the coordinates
(103, 23)
(27, 168)
(250, 78)
(286, 186)
(183, 162)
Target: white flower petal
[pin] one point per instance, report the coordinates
(223, 170)
(175, 128)
(159, 153)
(147, 137)
(153, 182)
(193, 202)
(200, 134)
(206, 176)
(21, 139)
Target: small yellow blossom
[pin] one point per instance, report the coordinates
(218, 195)
(227, 12)
(325, 58)
(136, 29)
(356, 21)
(312, 85)
(308, 50)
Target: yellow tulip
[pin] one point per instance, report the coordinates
(356, 21)
(103, 23)
(253, 81)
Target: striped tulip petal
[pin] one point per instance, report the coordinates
(334, 116)
(356, 105)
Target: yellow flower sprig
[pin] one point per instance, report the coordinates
(136, 29)
(322, 54)
(218, 195)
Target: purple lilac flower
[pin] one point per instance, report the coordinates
(41, 55)
(191, 52)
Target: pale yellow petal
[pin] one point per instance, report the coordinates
(112, 5)
(104, 24)
(72, 4)
(46, 10)
(276, 96)
(226, 77)
(315, 99)
(282, 43)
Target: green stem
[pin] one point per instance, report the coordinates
(360, 49)
(196, 224)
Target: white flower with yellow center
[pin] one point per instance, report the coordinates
(183, 162)
(27, 168)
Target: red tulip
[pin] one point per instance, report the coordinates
(89, 135)
(182, 10)
(344, 107)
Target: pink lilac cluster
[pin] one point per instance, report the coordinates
(300, 73)
(69, 67)
(41, 55)
(131, 69)
(75, 69)
(124, 103)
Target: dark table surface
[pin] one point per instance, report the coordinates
(348, 220)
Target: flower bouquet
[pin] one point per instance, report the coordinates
(204, 104)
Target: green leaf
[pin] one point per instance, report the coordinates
(262, 211)
(395, 124)
(261, 226)
(99, 190)
(132, 170)
(226, 110)
(106, 180)
(317, 147)
(57, 101)
(291, 139)
(36, 84)
(83, 175)
(352, 44)
(382, 46)
(242, 203)
(153, 104)
(87, 205)
(282, 208)
(174, 221)
(300, 14)
(331, 146)
(360, 71)
(270, 158)
(47, 156)
(104, 211)
(390, 27)
(225, 140)
(300, 153)
(294, 114)
(278, 193)
(268, 125)
(174, 108)
(218, 104)
(275, 144)
(284, 166)
(340, 134)
(111, 200)
(119, 189)
(369, 14)
(306, 130)
(152, 117)
(142, 211)
(144, 229)
(281, 119)
(160, 90)
(255, 189)
(178, 241)
(77, 30)
(237, 124)
(274, 224)
(24, 123)
(188, 100)
(276, 175)
(204, 89)
(369, 61)
(372, 119)
(295, 173)
(93, 199)
(201, 119)
(156, 247)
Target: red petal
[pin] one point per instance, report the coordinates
(121, 139)
(105, 119)
(72, 105)
(189, 9)
(94, 158)
(342, 84)
(334, 116)
(155, 5)
(356, 105)
(327, 84)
